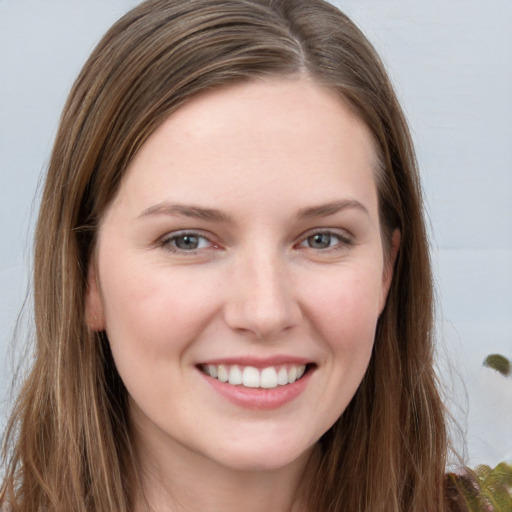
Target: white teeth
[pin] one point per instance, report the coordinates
(282, 376)
(222, 373)
(235, 375)
(251, 377)
(269, 378)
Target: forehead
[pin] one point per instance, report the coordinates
(296, 103)
(284, 133)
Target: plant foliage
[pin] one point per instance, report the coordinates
(499, 363)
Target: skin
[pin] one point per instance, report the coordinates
(265, 155)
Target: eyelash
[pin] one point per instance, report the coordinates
(169, 242)
(344, 240)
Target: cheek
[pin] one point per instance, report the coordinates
(152, 318)
(343, 315)
(346, 306)
(154, 314)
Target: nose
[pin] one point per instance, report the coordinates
(262, 300)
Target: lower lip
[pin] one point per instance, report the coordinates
(259, 398)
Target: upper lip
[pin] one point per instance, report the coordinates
(258, 362)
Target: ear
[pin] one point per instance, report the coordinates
(94, 315)
(387, 275)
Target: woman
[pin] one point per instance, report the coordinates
(232, 285)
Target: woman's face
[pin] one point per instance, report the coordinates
(239, 274)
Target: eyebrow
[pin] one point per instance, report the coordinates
(183, 210)
(324, 210)
(212, 214)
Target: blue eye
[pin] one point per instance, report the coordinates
(325, 240)
(319, 240)
(186, 242)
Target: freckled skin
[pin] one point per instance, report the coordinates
(256, 284)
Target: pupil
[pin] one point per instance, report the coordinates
(319, 241)
(187, 242)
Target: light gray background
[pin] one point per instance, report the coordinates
(451, 63)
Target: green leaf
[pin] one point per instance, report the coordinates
(499, 363)
(495, 488)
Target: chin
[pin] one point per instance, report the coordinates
(261, 457)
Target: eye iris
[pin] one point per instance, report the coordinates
(319, 241)
(187, 242)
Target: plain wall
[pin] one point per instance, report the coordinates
(451, 63)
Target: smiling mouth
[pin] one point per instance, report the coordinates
(251, 377)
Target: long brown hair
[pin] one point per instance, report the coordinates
(68, 442)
